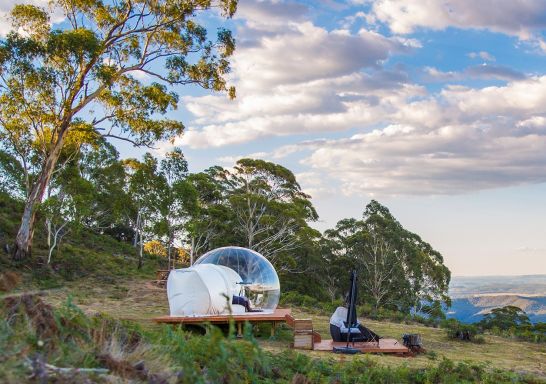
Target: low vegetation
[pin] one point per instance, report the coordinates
(456, 330)
(511, 321)
(39, 343)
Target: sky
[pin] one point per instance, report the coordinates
(435, 108)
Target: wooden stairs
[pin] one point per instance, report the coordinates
(305, 337)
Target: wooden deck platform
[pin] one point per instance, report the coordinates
(280, 315)
(384, 346)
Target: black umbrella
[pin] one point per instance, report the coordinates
(351, 316)
(351, 303)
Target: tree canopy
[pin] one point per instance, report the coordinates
(76, 83)
(396, 268)
(505, 318)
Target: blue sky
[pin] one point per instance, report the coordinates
(436, 108)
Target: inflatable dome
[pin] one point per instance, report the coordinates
(259, 281)
(203, 290)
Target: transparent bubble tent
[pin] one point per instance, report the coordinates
(212, 285)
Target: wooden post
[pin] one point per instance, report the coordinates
(239, 329)
(273, 328)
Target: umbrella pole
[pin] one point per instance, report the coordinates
(351, 307)
(347, 349)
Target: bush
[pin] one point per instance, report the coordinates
(456, 330)
(380, 314)
(309, 303)
(511, 321)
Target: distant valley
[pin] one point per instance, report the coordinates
(473, 297)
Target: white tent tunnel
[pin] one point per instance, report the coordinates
(218, 278)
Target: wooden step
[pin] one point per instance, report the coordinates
(303, 325)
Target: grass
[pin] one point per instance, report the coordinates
(81, 254)
(138, 300)
(499, 352)
(34, 336)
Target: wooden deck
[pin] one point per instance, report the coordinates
(384, 346)
(280, 315)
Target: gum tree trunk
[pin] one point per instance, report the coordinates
(23, 240)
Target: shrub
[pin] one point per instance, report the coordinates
(456, 330)
(511, 321)
(505, 318)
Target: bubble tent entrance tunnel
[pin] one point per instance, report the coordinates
(260, 282)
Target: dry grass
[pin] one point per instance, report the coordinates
(136, 300)
(140, 301)
(499, 352)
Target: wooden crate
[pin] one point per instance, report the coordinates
(303, 340)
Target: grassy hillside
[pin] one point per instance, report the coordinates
(140, 301)
(80, 255)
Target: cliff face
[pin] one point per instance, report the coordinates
(472, 309)
(473, 297)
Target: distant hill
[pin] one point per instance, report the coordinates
(473, 297)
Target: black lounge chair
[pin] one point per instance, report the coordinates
(340, 332)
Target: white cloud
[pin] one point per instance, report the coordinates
(293, 76)
(481, 138)
(531, 250)
(486, 56)
(264, 14)
(297, 79)
(313, 184)
(303, 52)
(229, 161)
(7, 5)
(483, 71)
(521, 18)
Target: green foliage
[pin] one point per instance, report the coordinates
(386, 314)
(396, 268)
(314, 305)
(65, 87)
(296, 299)
(258, 205)
(83, 253)
(511, 321)
(505, 318)
(456, 330)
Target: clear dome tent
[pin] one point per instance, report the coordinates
(229, 280)
(260, 283)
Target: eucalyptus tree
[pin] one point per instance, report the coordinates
(270, 210)
(109, 209)
(178, 199)
(397, 269)
(67, 206)
(144, 187)
(80, 77)
(209, 215)
(12, 178)
(505, 318)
